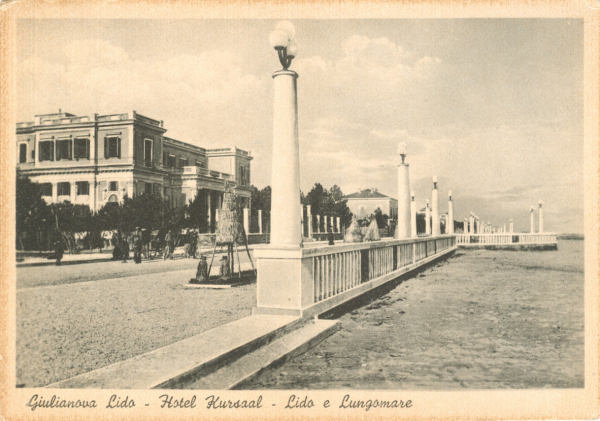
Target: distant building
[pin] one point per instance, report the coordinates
(364, 203)
(99, 159)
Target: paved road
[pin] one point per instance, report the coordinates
(73, 319)
(36, 276)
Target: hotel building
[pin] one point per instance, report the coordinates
(99, 159)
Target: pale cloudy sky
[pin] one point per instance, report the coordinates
(493, 107)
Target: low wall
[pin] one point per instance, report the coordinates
(311, 280)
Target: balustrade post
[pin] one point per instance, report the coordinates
(413, 216)
(246, 221)
(435, 211)
(427, 219)
(309, 220)
(403, 229)
(450, 220)
(540, 217)
(531, 221)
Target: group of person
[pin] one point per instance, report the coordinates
(122, 245)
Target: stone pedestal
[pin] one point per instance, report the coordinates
(285, 175)
(404, 218)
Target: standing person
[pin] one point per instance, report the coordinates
(138, 244)
(59, 250)
(116, 241)
(124, 248)
(168, 241)
(171, 244)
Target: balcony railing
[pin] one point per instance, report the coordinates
(195, 170)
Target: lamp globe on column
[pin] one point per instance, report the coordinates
(282, 40)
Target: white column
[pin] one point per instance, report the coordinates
(338, 224)
(427, 219)
(285, 174)
(327, 222)
(72, 192)
(435, 210)
(318, 224)
(247, 221)
(309, 220)
(540, 217)
(466, 226)
(413, 215)
(471, 225)
(531, 221)
(54, 192)
(403, 226)
(260, 231)
(450, 220)
(209, 213)
(504, 227)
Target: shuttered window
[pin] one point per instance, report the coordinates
(81, 148)
(112, 147)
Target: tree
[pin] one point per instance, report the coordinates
(261, 199)
(148, 211)
(196, 213)
(330, 202)
(32, 216)
(381, 218)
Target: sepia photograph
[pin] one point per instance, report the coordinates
(282, 210)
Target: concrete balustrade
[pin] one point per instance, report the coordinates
(318, 278)
(546, 240)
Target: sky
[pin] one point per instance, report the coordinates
(493, 107)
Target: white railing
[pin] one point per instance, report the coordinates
(340, 268)
(498, 239)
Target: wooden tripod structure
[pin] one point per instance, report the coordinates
(229, 233)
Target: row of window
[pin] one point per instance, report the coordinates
(79, 148)
(171, 161)
(82, 188)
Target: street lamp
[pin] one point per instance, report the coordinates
(402, 150)
(282, 40)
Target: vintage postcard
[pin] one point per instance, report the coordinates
(290, 210)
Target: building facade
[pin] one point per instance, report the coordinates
(99, 159)
(365, 202)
